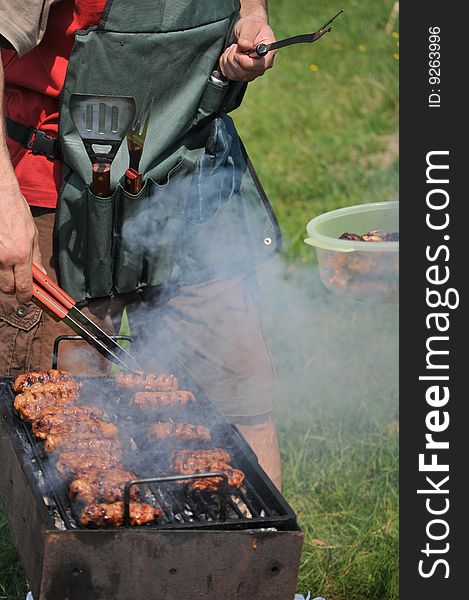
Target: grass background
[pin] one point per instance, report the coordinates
(321, 128)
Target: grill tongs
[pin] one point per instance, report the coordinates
(61, 306)
(262, 49)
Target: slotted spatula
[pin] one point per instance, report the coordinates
(102, 122)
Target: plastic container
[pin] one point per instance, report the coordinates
(362, 270)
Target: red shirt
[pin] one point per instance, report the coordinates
(33, 83)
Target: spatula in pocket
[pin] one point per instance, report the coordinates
(102, 122)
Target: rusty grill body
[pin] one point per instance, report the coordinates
(246, 545)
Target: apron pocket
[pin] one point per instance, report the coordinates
(129, 240)
(147, 226)
(99, 245)
(211, 100)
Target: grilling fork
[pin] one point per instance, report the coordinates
(50, 296)
(136, 135)
(262, 49)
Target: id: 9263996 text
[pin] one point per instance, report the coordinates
(434, 70)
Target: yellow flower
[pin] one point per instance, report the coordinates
(313, 68)
(395, 34)
(397, 44)
(361, 47)
(396, 55)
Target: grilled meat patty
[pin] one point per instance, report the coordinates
(150, 381)
(26, 380)
(103, 486)
(71, 462)
(184, 432)
(65, 428)
(149, 401)
(113, 514)
(81, 441)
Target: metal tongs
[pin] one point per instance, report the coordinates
(50, 296)
(262, 49)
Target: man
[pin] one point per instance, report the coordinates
(210, 322)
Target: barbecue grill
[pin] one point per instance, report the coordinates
(234, 544)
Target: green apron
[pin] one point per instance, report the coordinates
(201, 213)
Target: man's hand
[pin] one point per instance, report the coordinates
(18, 243)
(19, 246)
(237, 63)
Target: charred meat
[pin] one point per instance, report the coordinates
(190, 462)
(209, 484)
(31, 404)
(149, 382)
(103, 486)
(65, 428)
(183, 432)
(85, 420)
(55, 415)
(74, 463)
(213, 454)
(100, 515)
(81, 442)
(151, 401)
(26, 380)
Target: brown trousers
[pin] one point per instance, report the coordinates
(210, 332)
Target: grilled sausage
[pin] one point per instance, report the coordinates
(31, 404)
(75, 463)
(98, 427)
(103, 486)
(81, 441)
(184, 432)
(101, 515)
(26, 380)
(150, 401)
(150, 382)
(213, 454)
(193, 466)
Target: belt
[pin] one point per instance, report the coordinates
(34, 139)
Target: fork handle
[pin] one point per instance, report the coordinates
(101, 184)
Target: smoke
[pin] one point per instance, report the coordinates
(327, 350)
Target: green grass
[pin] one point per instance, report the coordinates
(320, 140)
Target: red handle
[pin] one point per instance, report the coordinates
(101, 185)
(133, 181)
(54, 290)
(48, 302)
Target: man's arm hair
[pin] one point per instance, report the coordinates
(257, 8)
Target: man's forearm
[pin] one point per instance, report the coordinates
(256, 8)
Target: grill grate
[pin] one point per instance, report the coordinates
(256, 504)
